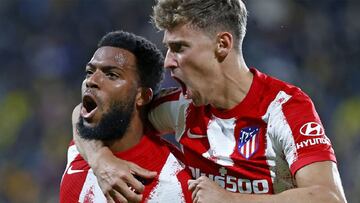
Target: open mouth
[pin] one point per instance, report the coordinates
(182, 84)
(186, 91)
(89, 106)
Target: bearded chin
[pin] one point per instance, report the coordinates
(112, 125)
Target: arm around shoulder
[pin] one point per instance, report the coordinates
(90, 150)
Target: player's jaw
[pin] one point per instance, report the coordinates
(112, 124)
(105, 119)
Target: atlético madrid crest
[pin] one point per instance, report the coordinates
(248, 141)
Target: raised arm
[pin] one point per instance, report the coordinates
(115, 176)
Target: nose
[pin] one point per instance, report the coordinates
(93, 80)
(170, 60)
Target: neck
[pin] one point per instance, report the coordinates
(234, 84)
(131, 137)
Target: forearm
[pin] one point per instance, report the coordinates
(205, 190)
(297, 195)
(90, 150)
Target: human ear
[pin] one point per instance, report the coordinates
(224, 45)
(144, 96)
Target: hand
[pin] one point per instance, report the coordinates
(205, 190)
(116, 178)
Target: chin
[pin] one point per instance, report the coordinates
(106, 126)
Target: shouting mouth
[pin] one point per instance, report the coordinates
(89, 107)
(186, 91)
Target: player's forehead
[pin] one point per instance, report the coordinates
(176, 34)
(114, 56)
(184, 34)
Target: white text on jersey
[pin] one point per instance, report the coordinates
(234, 184)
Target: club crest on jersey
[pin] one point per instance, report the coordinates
(248, 141)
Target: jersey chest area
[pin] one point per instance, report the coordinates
(225, 141)
(229, 151)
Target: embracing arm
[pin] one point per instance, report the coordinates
(317, 182)
(86, 147)
(115, 176)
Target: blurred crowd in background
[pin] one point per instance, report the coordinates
(45, 44)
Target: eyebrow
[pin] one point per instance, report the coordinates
(174, 42)
(110, 67)
(104, 68)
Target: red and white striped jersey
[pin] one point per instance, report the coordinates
(79, 184)
(257, 146)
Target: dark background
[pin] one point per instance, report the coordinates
(45, 44)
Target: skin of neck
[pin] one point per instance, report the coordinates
(234, 82)
(131, 137)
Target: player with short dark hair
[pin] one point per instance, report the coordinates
(149, 60)
(120, 80)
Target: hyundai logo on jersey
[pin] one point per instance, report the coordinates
(248, 143)
(312, 129)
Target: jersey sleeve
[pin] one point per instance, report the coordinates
(300, 132)
(72, 153)
(168, 111)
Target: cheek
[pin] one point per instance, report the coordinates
(194, 67)
(116, 89)
(121, 91)
(117, 86)
(83, 86)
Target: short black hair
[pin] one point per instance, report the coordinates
(149, 59)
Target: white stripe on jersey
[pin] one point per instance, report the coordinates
(222, 141)
(91, 191)
(279, 138)
(168, 188)
(71, 155)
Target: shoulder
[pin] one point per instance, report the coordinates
(277, 91)
(270, 88)
(166, 95)
(171, 92)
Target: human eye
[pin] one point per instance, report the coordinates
(88, 72)
(176, 47)
(112, 75)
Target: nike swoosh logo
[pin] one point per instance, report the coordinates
(195, 136)
(71, 171)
